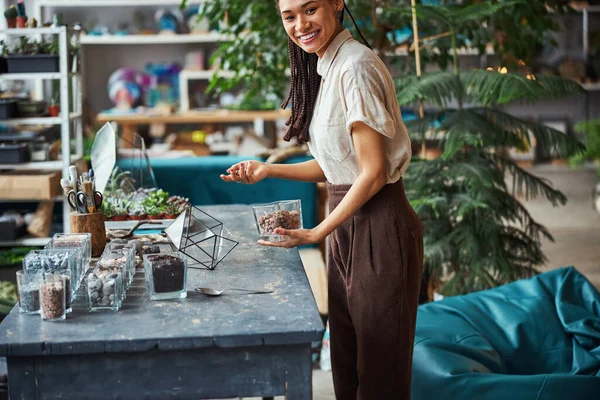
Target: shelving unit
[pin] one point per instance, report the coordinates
(152, 39)
(67, 117)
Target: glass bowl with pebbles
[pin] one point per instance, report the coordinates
(53, 296)
(65, 262)
(166, 275)
(285, 214)
(105, 290)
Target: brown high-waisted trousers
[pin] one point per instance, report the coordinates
(374, 268)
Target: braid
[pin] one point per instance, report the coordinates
(304, 87)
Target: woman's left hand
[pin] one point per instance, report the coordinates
(297, 237)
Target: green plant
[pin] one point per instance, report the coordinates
(156, 202)
(176, 205)
(591, 131)
(11, 12)
(477, 234)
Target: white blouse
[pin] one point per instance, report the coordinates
(356, 86)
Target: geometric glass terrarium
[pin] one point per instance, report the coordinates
(201, 237)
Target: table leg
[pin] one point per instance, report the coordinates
(299, 376)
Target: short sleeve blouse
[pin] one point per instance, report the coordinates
(356, 87)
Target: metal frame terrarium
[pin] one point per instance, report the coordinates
(201, 237)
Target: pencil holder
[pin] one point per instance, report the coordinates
(91, 223)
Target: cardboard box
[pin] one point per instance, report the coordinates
(29, 185)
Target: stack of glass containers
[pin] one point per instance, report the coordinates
(38, 264)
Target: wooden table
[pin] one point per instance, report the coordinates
(194, 348)
(130, 122)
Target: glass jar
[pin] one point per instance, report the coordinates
(105, 292)
(166, 275)
(79, 240)
(65, 261)
(53, 295)
(285, 214)
(29, 293)
(117, 259)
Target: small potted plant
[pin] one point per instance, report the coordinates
(11, 16)
(155, 204)
(120, 214)
(21, 15)
(54, 107)
(175, 206)
(137, 212)
(154, 212)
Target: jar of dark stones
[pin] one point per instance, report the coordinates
(166, 275)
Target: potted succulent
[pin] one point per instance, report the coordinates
(54, 107)
(137, 212)
(120, 214)
(154, 212)
(21, 15)
(11, 16)
(175, 206)
(155, 204)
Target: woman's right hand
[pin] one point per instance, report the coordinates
(248, 172)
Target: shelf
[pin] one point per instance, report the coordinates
(56, 199)
(26, 241)
(193, 117)
(32, 31)
(464, 51)
(152, 39)
(591, 87)
(113, 3)
(190, 74)
(31, 75)
(38, 120)
(39, 165)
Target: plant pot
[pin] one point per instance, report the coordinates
(32, 63)
(171, 216)
(8, 108)
(53, 110)
(120, 217)
(21, 22)
(11, 23)
(159, 216)
(137, 217)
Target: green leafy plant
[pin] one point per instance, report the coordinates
(176, 205)
(477, 234)
(156, 202)
(591, 132)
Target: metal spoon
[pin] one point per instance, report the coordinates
(215, 292)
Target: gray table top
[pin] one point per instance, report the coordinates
(287, 316)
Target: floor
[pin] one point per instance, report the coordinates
(576, 231)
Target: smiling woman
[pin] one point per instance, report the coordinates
(344, 106)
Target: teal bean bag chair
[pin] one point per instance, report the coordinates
(534, 339)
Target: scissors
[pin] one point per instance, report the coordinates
(79, 201)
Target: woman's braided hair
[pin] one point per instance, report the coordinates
(304, 87)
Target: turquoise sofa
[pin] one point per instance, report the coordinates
(534, 339)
